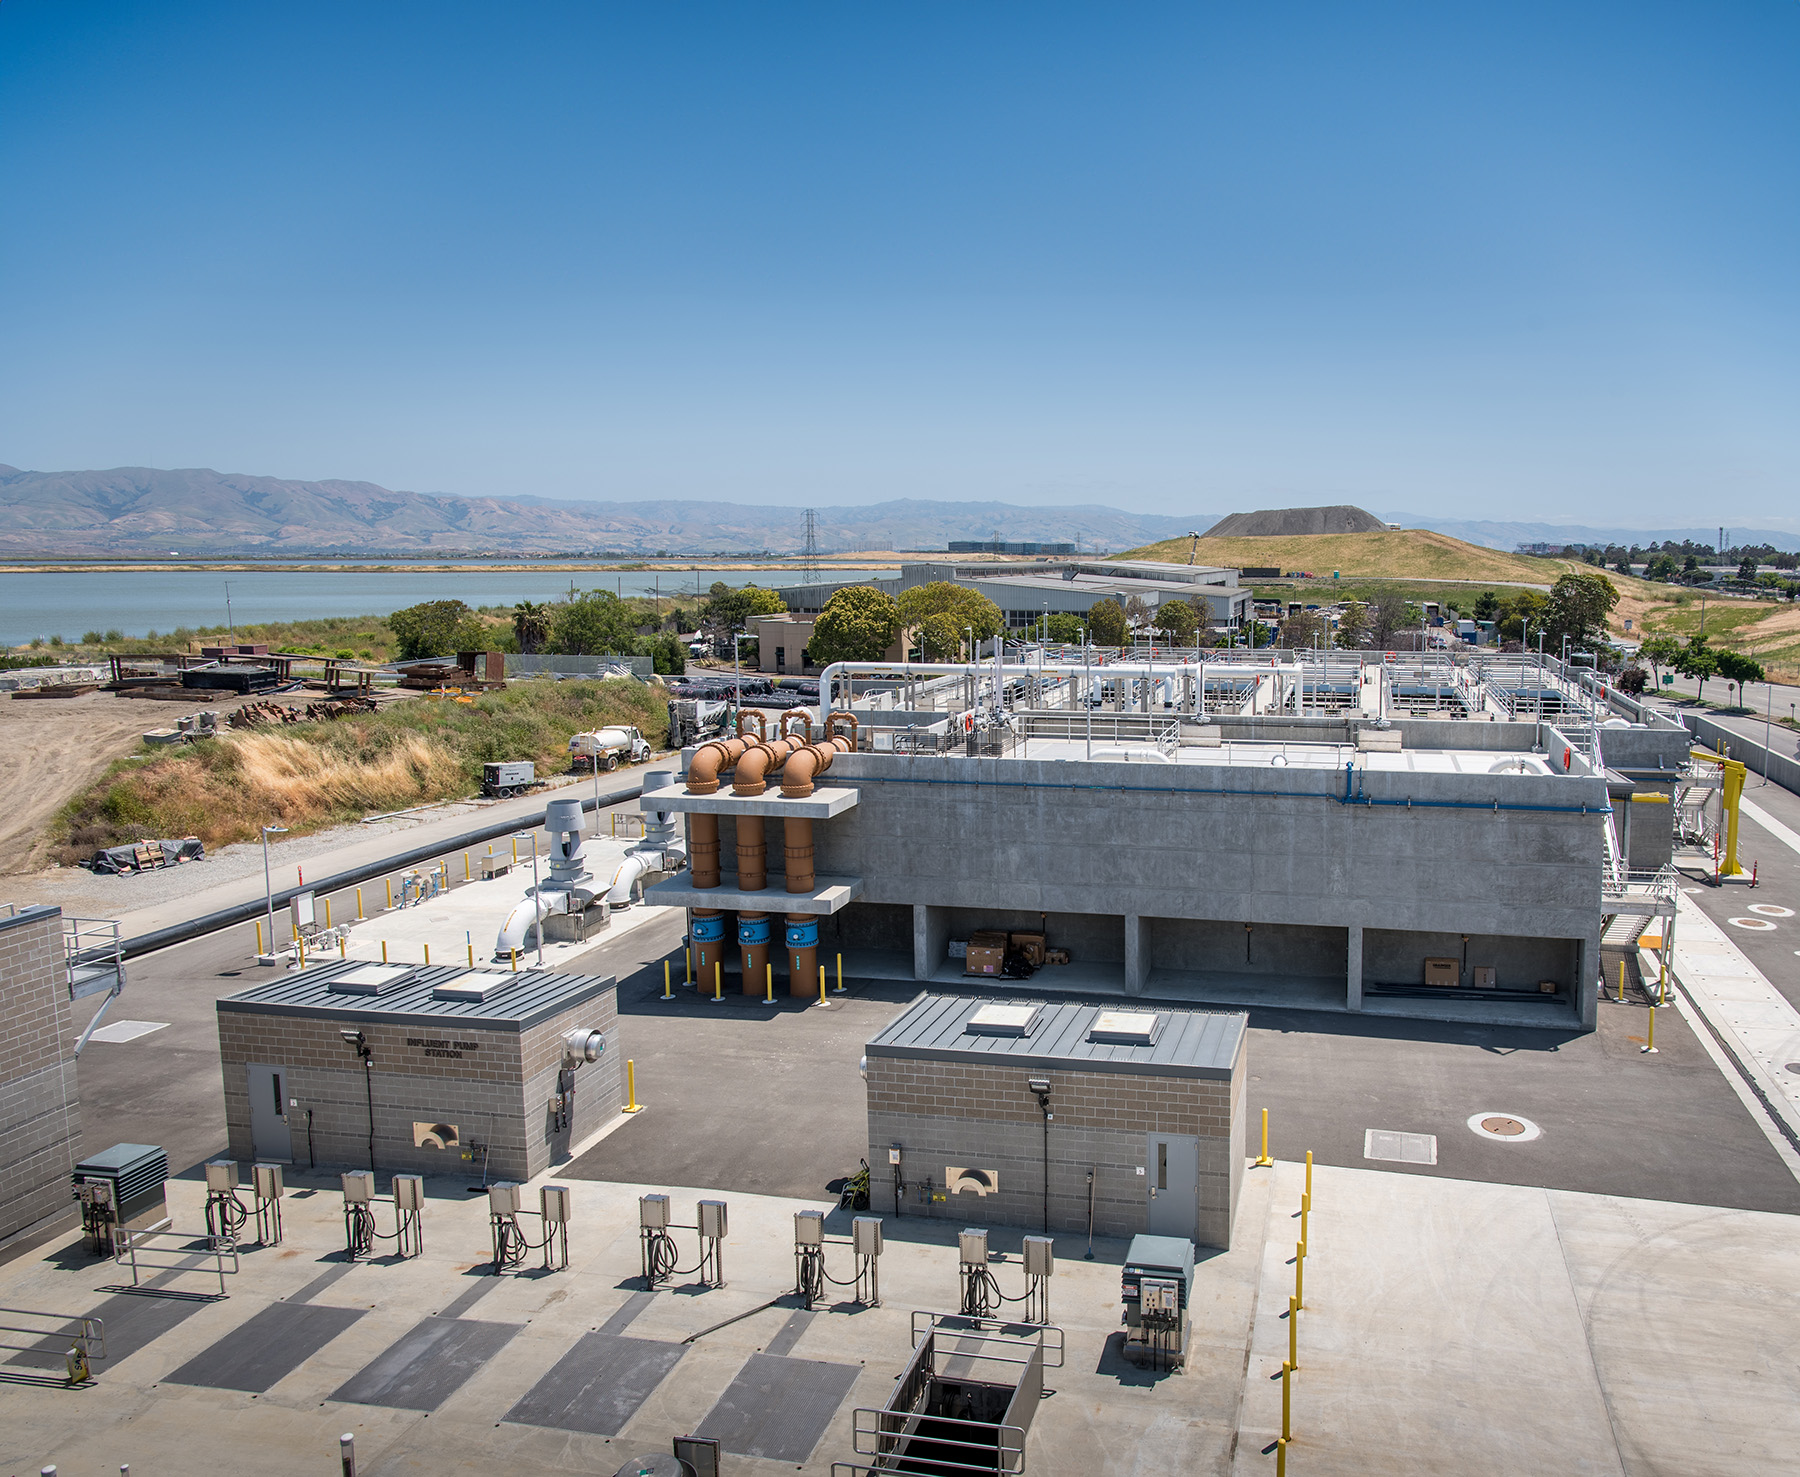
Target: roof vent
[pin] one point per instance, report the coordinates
(369, 979)
(1124, 1027)
(995, 1019)
(475, 985)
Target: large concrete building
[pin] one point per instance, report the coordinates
(40, 1106)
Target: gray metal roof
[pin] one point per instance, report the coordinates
(537, 995)
(1187, 1043)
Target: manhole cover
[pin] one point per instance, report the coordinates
(1503, 1128)
(1771, 910)
(1760, 925)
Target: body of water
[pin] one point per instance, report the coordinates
(136, 602)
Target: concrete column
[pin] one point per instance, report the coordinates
(931, 939)
(1137, 953)
(1587, 981)
(1353, 969)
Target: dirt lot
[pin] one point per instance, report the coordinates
(56, 746)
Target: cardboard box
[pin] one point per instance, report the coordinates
(1031, 945)
(1443, 972)
(1546, 987)
(1486, 978)
(1056, 956)
(984, 959)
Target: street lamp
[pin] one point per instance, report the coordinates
(537, 902)
(268, 885)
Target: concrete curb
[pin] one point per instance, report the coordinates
(192, 928)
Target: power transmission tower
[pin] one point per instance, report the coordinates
(809, 554)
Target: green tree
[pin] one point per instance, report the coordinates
(1106, 623)
(1661, 567)
(858, 624)
(1353, 625)
(1698, 661)
(1520, 615)
(1065, 626)
(598, 623)
(437, 628)
(960, 607)
(1578, 607)
(1305, 630)
(733, 610)
(531, 625)
(1747, 569)
(668, 657)
(1660, 652)
(1487, 605)
(939, 637)
(1738, 669)
(1176, 620)
(1389, 614)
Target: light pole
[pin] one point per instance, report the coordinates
(268, 884)
(537, 902)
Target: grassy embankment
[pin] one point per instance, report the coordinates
(314, 775)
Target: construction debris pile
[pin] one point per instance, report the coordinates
(260, 715)
(143, 855)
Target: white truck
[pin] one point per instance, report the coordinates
(603, 748)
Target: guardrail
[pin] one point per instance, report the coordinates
(89, 1334)
(1045, 1336)
(127, 1241)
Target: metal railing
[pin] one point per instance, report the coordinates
(1111, 728)
(89, 1334)
(1045, 1336)
(94, 953)
(1655, 891)
(126, 1242)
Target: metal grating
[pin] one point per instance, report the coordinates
(1400, 1148)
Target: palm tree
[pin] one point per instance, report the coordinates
(531, 624)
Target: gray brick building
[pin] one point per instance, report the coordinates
(1146, 1098)
(40, 1108)
(459, 1060)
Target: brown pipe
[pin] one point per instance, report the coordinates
(832, 722)
(797, 836)
(800, 717)
(752, 854)
(797, 774)
(751, 769)
(703, 866)
(762, 724)
(709, 759)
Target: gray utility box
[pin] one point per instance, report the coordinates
(136, 1174)
(510, 777)
(1156, 1284)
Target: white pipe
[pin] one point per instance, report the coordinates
(519, 922)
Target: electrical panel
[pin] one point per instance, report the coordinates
(865, 1233)
(712, 1218)
(95, 1192)
(894, 1155)
(1159, 1297)
(359, 1187)
(972, 1247)
(653, 1212)
(555, 1203)
(1040, 1258)
(267, 1181)
(409, 1192)
(809, 1228)
(504, 1198)
(221, 1175)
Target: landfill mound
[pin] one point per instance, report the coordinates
(1289, 522)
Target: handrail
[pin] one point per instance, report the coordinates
(886, 1440)
(91, 1333)
(217, 1247)
(1040, 1335)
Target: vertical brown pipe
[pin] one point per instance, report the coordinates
(706, 931)
(704, 863)
(752, 854)
(753, 947)
(802, 937)
(798, 850)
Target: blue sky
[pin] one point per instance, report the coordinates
(1513, 261)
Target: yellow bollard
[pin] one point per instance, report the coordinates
(259, 947)
(840, 988)
(1287, 1426)
(300, 944)
(614, 818)
(390, 890)
(1621, 982)
(515, 853)
(1662, 985)
(632, 1105)
(466, 872)
(687, 967)
(769, 989)
(343, 953)
(1650, 1045)
(667, 993)
(1293, 1333)
(1263, 1161)
(515, 961)
(822, 1000)
(1300, 1274)
(1280, 1457)
(1305, 1207)
(359, 905)
(428, 960)
(718, 997)
(1308, 1191)
(384, 951)
(328, 912)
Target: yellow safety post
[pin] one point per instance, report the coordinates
(614, 818)
(1263, 1161)
(390, 890)
(718, 997)
(384, 951)
(1650, 1045)
(769, 988)
(515, 961)
(1287, 1411)
(1662, 984)
(1308, 1191)
(1621, 982)
(667, 993)
(300, 944)
(1280, 1457)
(328, 912)
(428, 960)
(1305, 1209)
(1293, 1333)
(1300, 1274)
(632, 1105)
(471, 956)
(259, 947)
(687, 967)
(515, 852)
(822, 984)
(343, 953)
(466, 872)
(359, 905)
(840, 988)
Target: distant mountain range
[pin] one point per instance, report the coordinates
(141, 511)
(1511, 535)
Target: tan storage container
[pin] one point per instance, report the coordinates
(1443, 972)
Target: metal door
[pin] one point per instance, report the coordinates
(268, 1113)
(1172, 1170)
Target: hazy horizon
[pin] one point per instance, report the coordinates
(1530, 266)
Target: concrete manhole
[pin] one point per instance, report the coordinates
(1760, 925)
(1504, 1128)
(1771, 910)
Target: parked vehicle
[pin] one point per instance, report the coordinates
(508, 778)
(603, 748)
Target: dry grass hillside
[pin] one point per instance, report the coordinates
(1406, 554)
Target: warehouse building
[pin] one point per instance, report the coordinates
(1059, 1116)
(401, 1067)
